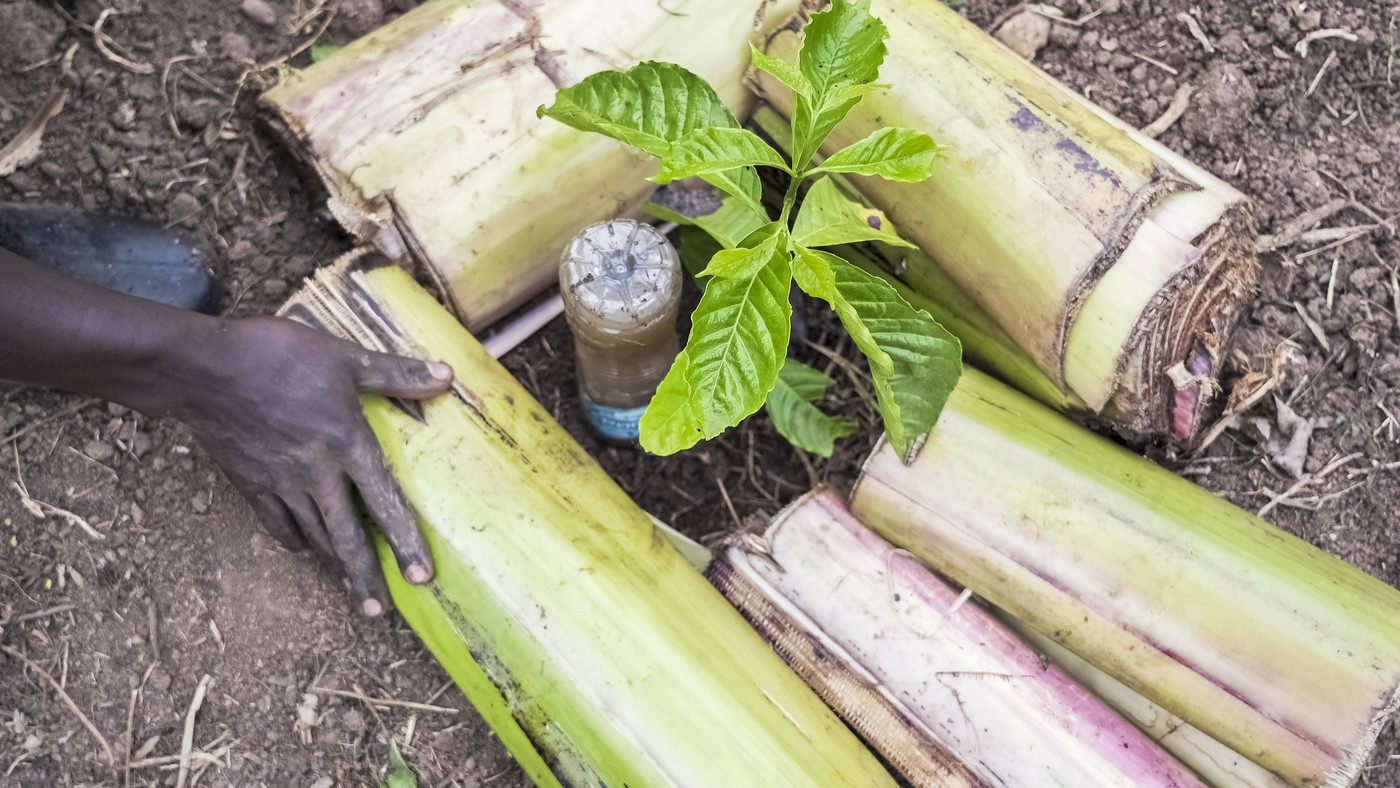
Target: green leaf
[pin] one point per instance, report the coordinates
(842, 50)
(787, 73)
(695, 249)
(738, 340)
(324, 48)
(673, 421)
(811, 123)
(790, 405)
(828, 218)
(648, 106)
(721, 157)
(894, 154)
(715, 150)
(914, 362)
(399, 775)
(696, 202)
(813, 274)
(744, 187)
(754, 253)
(842, 46)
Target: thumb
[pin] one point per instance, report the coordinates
(400, 376)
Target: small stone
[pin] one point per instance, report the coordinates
(1367, 154)
(184, 209)
(107, 157)
(1139, 72)
(160, 680)
(356, 18)
(1260, 39)
(275, 288)
(199, 113)
(1280, 26)
(1232, 43)
(1025, 33)
(236, 46)
(242, 250)
(1223, 104)
(1111, 6)
(353, 721)
(1363, 278)
(98, 450)
(10, 417)
(125, 116)
(200, 503)
(1108, 44)
(1309, 20)
(1064, 35)
(259, 11)
(28, 33)
(85, 162)
(141, 443)
(143, 90)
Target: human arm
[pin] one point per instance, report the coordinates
(275, 403)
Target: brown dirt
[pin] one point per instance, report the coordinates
(180, 546)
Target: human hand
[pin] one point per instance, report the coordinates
(277, 405)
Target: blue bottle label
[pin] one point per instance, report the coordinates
(616, 423)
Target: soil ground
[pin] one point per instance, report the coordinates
(184, 584)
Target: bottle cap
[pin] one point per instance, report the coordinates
(619, 276)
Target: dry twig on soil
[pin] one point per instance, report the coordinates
(371, 701)
(187, 743)
(1181, 100)
(68, 701)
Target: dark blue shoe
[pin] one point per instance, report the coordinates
(128, 255)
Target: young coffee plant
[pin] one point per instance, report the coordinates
(740, 330)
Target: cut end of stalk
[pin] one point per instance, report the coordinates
(1189, 325)
(1354, 758)
(1104, 258)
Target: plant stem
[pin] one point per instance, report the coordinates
(790, 198)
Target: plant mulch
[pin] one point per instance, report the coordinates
(183, 584)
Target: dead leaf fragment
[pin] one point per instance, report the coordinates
(1288, 445)
(25, 147)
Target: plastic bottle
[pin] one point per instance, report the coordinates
(621, 285)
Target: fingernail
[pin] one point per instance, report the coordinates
(440, 370)
(416, 573)
(372, 607)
